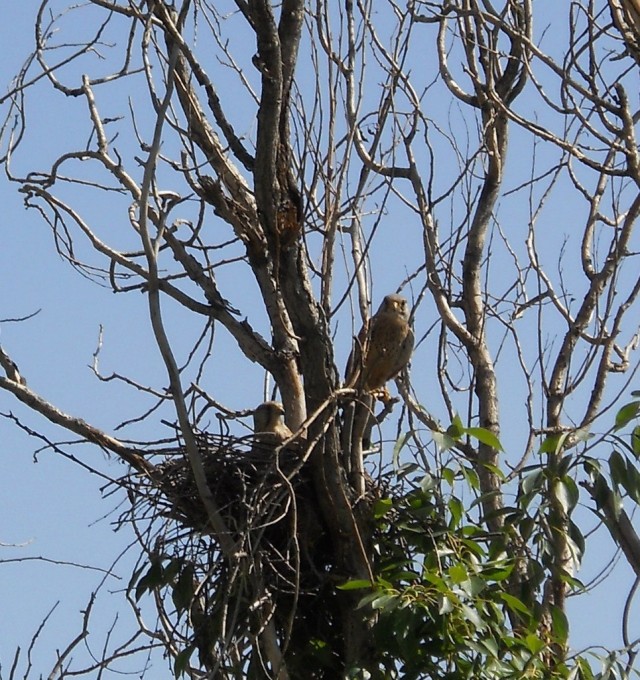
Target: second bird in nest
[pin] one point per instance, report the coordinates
(268, 426)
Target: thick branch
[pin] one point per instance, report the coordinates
(76, 425)
(617, 522)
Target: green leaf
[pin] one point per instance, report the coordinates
(491, 646)
(567, 493)
(553, 443)
(386, 602)
(446, 605)
(152, 579)
(436, 580)
(582, 434)
(172, 569)
(406, 469)
(515, 604)
(367, 600)
(458, 574)
(381, 507)
(474, 585)
(475, 548)
(456, 509)
(427, 483)
(626, 414)
(530, 485)
(560, 624)
(585, 669)
(134, 577)
(533, 482)
(633, 483)
(602, 492)
(473, 617)
(405, 576)
(526, 526)
(456, 429)
(534, 644)
(494, 469)
(577, 539)
(485, 436)
(549, 444)
(618, 467)
(182, 661)
(498, 574)
(183, 591)
(355, 584)
(628, 477)
(398, 446)
(442, 440)
(471, 476)
(448, 475)
(635, 441)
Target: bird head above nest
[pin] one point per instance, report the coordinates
(268, 424)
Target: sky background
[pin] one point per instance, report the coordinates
(52, 508)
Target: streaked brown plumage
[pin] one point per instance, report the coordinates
(383, 347)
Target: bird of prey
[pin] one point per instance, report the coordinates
(268, 427)
(383, 347)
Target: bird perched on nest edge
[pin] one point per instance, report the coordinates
(268, 425)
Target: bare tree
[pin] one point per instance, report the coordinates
(268, 166)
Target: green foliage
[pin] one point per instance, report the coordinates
(442, 603)
(626, 414)
(623, 477)
(181, 664)
(457, 431)
(158, 575)
(444, 592)
(175, 576)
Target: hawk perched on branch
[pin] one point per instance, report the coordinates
(383, 346)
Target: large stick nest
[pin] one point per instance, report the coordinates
(265, 496)
(267, 499)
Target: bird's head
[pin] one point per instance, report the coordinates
(395, 304)
(267, 415)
